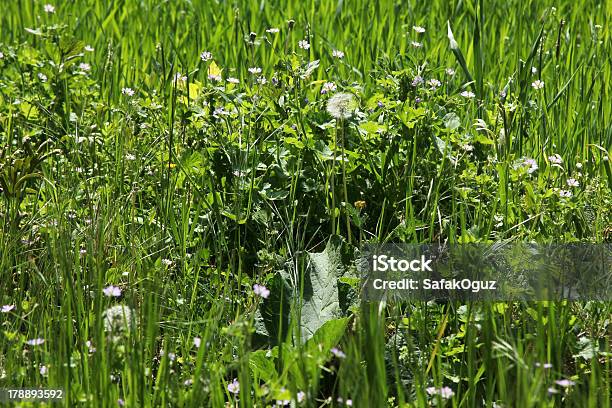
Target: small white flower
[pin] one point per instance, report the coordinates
(434, 84)
(234, 387)
(444, 392)
(89, 48)
(417, 80)
(565, 383)
(578, 166)
(304, 44)
(531, 164)
(178, 77)
(215, 78)
(130, 157)
(43, 370)
(1, 55)
(555, 159)
(565, 193)
(166, 262)
(272, 30)
(49, 8)
(337, 54)
(127, 91)
(450, 71)
(206, 56)
(83, 66)
(261, 290)
(255, 70)
(328, 87)
(188, 382)
(111, 291)
(197, 342)
(468, 94)
(418, 29)
(42, 77)
(262, 80)
(416, 44)
(232, 80)
(572, 182)
(537, 84)
(35, 342)
(467, 147)
(534, 70)
(7, 308)
(220, 112)
(338, 353)
(301, 396)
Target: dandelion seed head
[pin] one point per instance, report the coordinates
(118, 319)
(341, 105)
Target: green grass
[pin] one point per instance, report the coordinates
(188, 192)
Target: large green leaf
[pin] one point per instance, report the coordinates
(320, 302)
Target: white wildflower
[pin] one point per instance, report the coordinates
(337, 54)
(328, 87)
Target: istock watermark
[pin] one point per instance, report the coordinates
(498, 271)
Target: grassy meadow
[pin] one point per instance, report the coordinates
(185, 184)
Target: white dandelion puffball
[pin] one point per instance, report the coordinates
(118, 319)
(341, 105)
